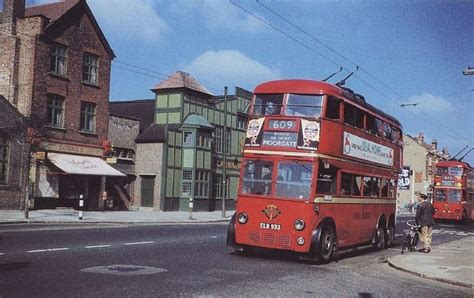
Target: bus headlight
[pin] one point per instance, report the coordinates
(300, 240)
(242, 218)
(299, 224)
(436, 209)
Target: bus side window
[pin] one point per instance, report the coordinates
(371, 186)
(332, 108)
(385, 184)
(359, 118)
(327, 179)
(370, 124)
(349, 114)
(392, 188)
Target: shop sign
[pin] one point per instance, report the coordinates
(404, 179)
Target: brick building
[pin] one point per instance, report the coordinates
(419, 161)
(180, 153)
(14, 157)
(56, 72)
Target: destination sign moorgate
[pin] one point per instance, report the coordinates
(279, 139)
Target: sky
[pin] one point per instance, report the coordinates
(408, 52)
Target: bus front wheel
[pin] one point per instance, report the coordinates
(327, 245)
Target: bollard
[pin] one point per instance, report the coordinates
(191, 206)
(81, 206)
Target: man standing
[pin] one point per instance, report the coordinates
(424, 218)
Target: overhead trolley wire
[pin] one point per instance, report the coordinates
(452, 131)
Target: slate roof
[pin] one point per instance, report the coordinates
(52, 11)
(142, 109)
(181, 79)
(58, 11)
(155, 133)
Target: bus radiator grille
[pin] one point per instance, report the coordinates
(268, 239)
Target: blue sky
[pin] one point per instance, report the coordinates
(408, 52)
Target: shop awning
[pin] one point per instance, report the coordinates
(82, 165)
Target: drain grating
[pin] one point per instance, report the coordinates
(126, 270)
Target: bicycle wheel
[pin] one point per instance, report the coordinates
(414, 242)
(406, 243)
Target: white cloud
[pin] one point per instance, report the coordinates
(428, 103)
(219, 15)
(130, 20)
(229, 68)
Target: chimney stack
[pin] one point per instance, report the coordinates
(434, 144)
(420, 138)
(13, 10)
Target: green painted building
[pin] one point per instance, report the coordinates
(189, 124)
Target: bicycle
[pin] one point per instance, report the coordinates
(411, 240)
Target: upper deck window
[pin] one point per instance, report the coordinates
(268, 104)
(304, 105)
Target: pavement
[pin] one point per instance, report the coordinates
(451, 262)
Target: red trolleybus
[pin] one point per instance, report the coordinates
(454, 191)
(319, 171)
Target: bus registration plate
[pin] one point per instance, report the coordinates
(269, 226)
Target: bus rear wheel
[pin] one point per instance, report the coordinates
(379, 241)
(390, 235)
(327, 244)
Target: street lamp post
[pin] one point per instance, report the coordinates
(224, 147)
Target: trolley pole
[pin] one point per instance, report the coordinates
(224, 147)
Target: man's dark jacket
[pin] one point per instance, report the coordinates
(424, 214)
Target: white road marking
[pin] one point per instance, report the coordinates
(139, 243)
(98, 246)
(48, 249)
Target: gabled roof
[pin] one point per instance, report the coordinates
(143, 110)
(181, 79)
(52, 11)
(155, 133)
(59, 12)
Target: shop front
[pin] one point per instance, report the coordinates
(63, 178)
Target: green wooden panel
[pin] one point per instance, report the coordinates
(177, 183)
(233, 184)
(186, 109)
(171, 156)
(171, 138)
(179, 139)
(174, 117)
(199, 159)
(162, 101)
(169, 182)
(207, 160)
(175, 100)
(161, 118)
(188, 158)
(177, 160)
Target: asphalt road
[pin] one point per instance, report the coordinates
(191, 260)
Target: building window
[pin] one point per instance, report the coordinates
(219, 132)
(186, 185)
(3, 158)
(241, 122)
(90, 71)
(188, 139)
(218, 187)
(55, 110)
(204, 140)
(58, 60)
(201, 186)
(88, 117)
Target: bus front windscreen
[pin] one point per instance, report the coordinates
(267, 104)
(304, 105)
(292, 178)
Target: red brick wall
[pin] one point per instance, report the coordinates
(78, 40)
